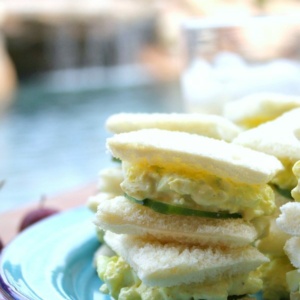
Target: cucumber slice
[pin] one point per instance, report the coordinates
(283, 192)
(117, 160)
(168, 209)
(235, 297)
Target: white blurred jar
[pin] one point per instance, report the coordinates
(229, 59)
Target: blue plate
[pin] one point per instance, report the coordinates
(53, 259)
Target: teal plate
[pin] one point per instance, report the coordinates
(53, 260)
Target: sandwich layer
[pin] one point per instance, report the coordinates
(121, 215)
(121, 282)
(280, 138)
(256, 109)
(183, 152)
(159, 264)
(199, 191)
(208, 125)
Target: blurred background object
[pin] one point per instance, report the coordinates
(8, 78)
(102, 36)
(73, 63)
(70, 39)
(229, 58)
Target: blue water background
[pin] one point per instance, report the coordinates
(53, 141)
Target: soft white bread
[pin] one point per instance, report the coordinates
(110, 179)
(158, 264)
(108, 186)
(93, 201)
(253, 110)
(121, 215)
(289, 219)
(189, 152)
(280, 137)
(208, 125)
(292, 250)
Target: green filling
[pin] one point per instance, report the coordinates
(117, 160)
(168, 209)
(283, 192)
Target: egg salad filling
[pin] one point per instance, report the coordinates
(121, 282)
(296, 190)
(251, 122)
(197, 191)
(286, 179)
(275, 284)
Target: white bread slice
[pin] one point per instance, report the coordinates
(108, 186)
(93, 201)
(190, 152)
(110, 180)
(280, 137)
(255, 109)
(158, 264)
(208, 125)
(292, 250)
(289, 219)
(121, 215)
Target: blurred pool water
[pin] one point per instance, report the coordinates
(53, 141)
